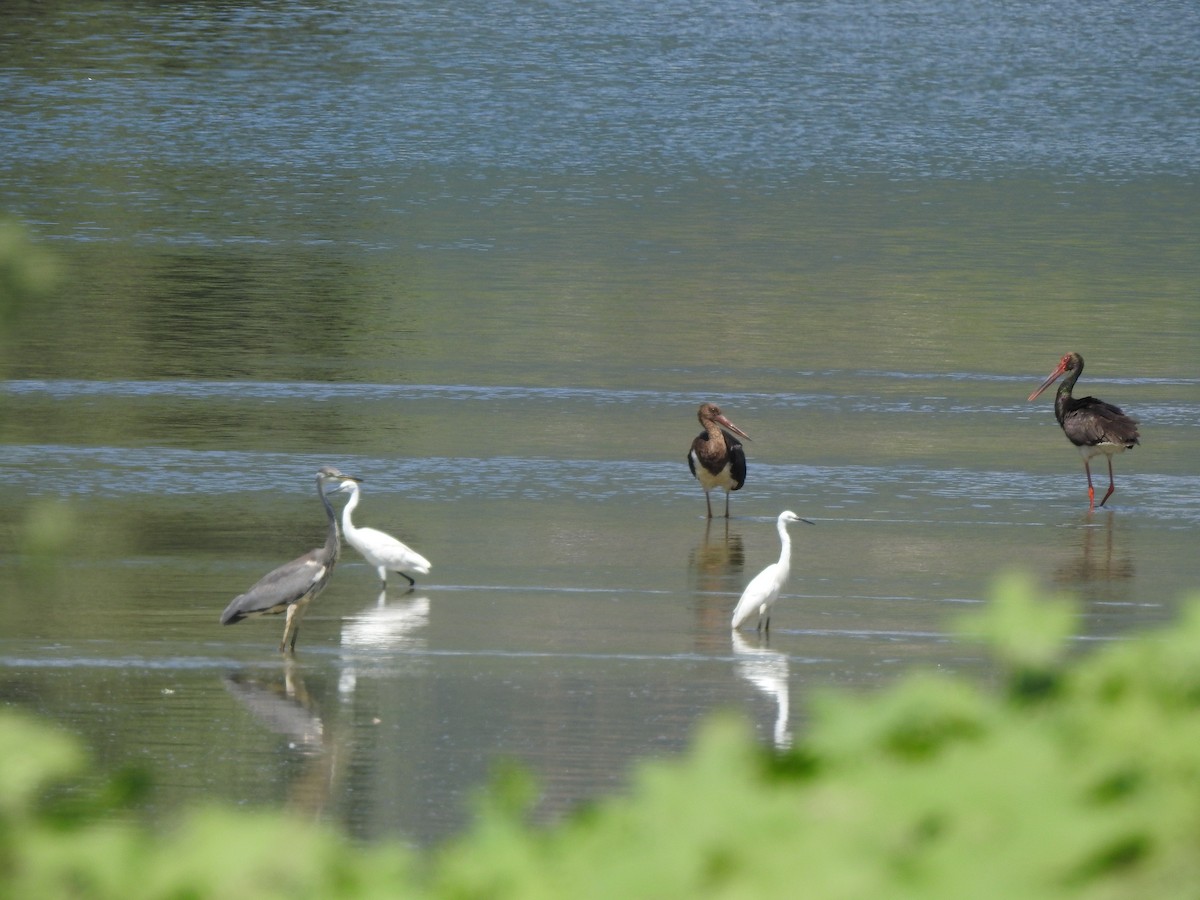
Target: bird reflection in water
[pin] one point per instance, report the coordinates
(767, 670)
(379, 636)
(1098, 561)
(283, 705)
(387, 626)
(717, 563)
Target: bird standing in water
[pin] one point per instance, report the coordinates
(716, 458)
(381, 550)
(290, 588)
(1092, 425)
(762, 592)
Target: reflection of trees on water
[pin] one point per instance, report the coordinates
(768, 671)
(283, 705)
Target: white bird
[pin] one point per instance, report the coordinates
(761, 593)
(381, 550)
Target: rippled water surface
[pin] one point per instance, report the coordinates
(491, 262)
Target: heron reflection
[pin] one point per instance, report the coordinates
(283, 705)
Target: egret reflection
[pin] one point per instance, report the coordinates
(767, 670)
(387, 626)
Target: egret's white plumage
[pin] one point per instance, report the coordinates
(762, 592)
(381, 550)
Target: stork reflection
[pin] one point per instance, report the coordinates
(767, 670)
(719, 555)
(1099, 557)
(715, 565)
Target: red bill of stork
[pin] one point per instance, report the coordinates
(716, 458)
(1092, 425)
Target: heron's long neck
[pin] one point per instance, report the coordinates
(333, 543)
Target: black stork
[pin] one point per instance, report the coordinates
(716, 457)
(1092, 425)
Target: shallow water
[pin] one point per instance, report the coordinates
(492, 266)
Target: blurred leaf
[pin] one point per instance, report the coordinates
(1028, 634)
(26, 270)
(932, 788)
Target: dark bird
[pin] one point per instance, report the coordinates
(290, 588)
(1091, 425)
(716, 458)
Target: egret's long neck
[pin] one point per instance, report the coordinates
(785, 555)
(351, 505)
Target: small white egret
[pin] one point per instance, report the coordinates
(381, 550)
(716, 457)
(762, 592)
(290, 588)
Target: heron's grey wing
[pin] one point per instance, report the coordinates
(278, 589)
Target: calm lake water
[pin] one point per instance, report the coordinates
(491, 259)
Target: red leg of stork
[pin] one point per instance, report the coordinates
(1111, 486)
(1091, 490)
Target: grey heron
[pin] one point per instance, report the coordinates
(290, 588)
(381, 550)
(762, 592)
(716, 457)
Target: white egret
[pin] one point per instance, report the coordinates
(381, 550)
(762, 592)
(290, 588)
(716, 458)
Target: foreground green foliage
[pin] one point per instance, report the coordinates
(1071, 778)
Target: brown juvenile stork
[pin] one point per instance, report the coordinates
(1092, 425)
(716, 457)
